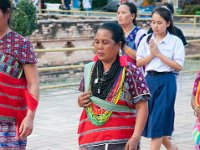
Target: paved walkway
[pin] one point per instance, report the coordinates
(58, 114)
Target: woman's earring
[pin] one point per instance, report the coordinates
(95, 58)
(122, 59)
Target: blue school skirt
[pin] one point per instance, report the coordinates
(160, 121)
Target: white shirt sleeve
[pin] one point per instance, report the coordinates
(179, 52)
(141, 51)
(138, 37)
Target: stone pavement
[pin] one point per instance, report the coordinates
(58, 114)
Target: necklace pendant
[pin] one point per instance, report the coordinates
(98, 91)
(96, 81)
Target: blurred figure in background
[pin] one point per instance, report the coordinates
(66, 4)
(135, 2)
(123, 1)
(75, 5)
(87, 5)
(14, 3)
(42, 5)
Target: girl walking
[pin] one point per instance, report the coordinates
(161, 53)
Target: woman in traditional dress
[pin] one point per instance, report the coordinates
(126, 16)
(19, 84)
(114, 96)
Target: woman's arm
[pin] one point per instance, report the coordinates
(143, 55)
(130, 52)
(155, 52)
(32, 78)
(169, 62)
(193, 102)
(142, 114)
(144, 61)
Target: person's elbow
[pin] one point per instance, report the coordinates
(179, 67)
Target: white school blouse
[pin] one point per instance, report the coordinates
(170, 46)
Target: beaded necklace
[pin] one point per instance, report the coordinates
(99, 116)
(102, 82)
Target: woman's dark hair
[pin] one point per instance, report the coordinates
(166, 14)
(116, 30)
(5, 5)
(169, 6)
(133, 10)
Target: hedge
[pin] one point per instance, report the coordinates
(23, 19)
(190, 9)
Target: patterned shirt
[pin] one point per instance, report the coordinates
(15, 51)
(134, 38)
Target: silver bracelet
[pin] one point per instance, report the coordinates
(196, 110)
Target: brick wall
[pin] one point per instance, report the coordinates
(64, 27)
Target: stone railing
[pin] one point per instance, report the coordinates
(59, 27)
(69, 28)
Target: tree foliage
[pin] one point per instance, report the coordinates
(98, 3)
(191, 9)
(24, 19)
(53, 1)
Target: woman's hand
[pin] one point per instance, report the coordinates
(26, 128)
(83, 99)
(141, 118)
(153, 48)
(132, 144)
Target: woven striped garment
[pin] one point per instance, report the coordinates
(120, 125)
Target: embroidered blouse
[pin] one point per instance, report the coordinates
(15, 51)
(134, 38)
